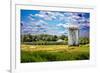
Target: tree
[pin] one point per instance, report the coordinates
(27, 38)
(62, 37)
(84, 40)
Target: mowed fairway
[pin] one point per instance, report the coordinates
(44, 53)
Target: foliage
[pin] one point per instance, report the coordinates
(84, 40)
(43, 39)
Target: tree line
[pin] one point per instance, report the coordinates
(45, 39)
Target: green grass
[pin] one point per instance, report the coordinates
(45, 53)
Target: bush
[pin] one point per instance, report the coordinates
(84, 41)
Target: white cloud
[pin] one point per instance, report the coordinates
(40, 22)
(75, 17)
(40, 15)
(50, 15)
(44, 15)
(47, 15)
(30, 18)
(59, 14)
(62, 25)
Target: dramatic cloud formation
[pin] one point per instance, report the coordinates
(53, 22)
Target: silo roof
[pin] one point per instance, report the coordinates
(73, 26)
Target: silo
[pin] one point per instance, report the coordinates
(73, 35)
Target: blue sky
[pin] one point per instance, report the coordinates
(53, 22)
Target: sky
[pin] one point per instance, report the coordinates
(53, 22)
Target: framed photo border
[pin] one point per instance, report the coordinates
(13, 61)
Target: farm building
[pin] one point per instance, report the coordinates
(73, 35)
(60, 40)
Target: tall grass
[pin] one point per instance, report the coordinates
(44, 56)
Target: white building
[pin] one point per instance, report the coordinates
(73, 35)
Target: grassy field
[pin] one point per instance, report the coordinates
(45, 53)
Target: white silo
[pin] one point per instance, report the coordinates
(73, 35)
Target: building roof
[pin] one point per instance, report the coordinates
(60, 40)
(73, 26)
